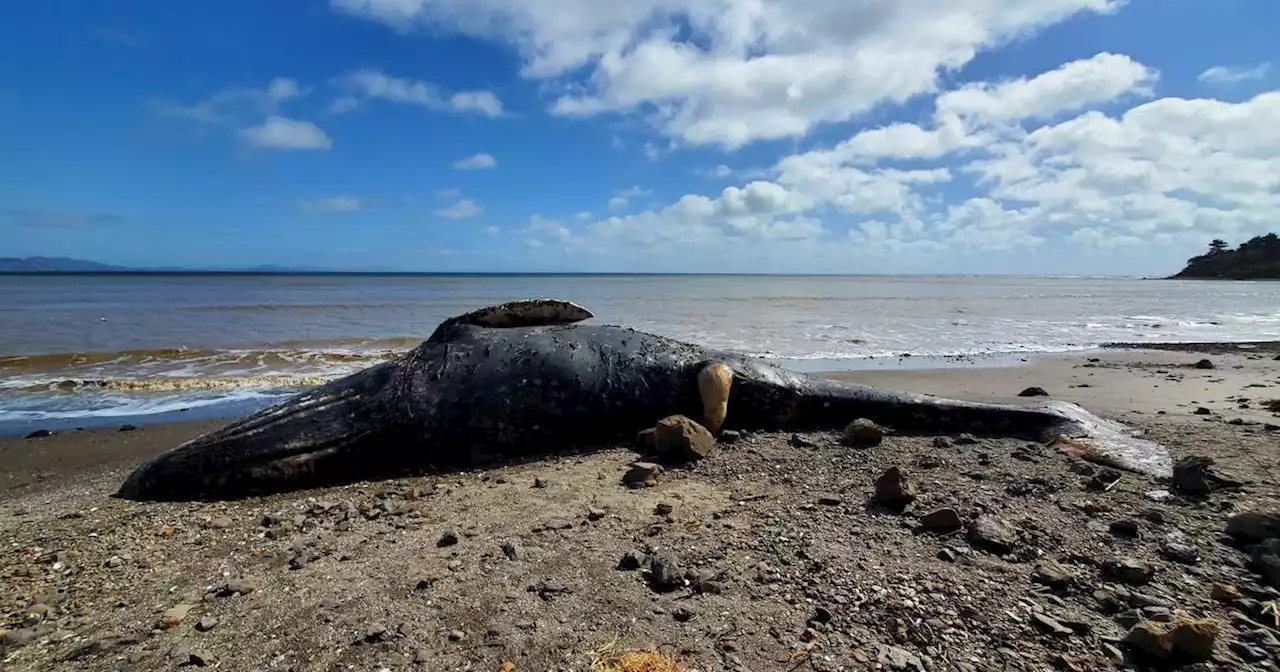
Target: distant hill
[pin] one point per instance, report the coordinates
(1256, 259)
(68, 265)
(39, 264)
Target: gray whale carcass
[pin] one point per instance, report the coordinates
(524, 378)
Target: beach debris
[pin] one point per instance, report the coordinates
(894, 489)
(642, 474)
(1203, 364)
(942, 521)
(678, 438)
(862, 433)
(992, 534)
(39, 434)
(1196, 475)
(1033, 392)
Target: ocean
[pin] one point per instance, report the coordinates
(95, 350)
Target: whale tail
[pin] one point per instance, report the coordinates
(767, 396)
(316, 438)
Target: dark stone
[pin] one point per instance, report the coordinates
(830, 500)
(448, 538)
(894, 489)
(992, 534)
(1203, 364)
(862, 433)
(632, 560)
(1201, 410)
(39, 434)
(683, 614)
(128, 428)
(1033, 392)
(540, 482)
(941, 442)
(1050, 625)
(665, 572)
(1053, 574)
(663, 509)
(1181, 553)
(1128, 570)
(730, 436)
(1124, 528)
(942, 521)
(1195, 475)
(513, 550)
(1254, 526)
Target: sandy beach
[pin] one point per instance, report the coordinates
(788, 567)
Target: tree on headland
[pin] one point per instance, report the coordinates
(1255, 259)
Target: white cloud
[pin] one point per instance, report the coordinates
(475, 162)
(492, 230)
(375, 84)
(622, 197)
(582, 216)
(728, 72)
(482, 102)
(449, 194)
(344, 105)
(283, 133)
(463, 209)
(236, 105)
(1227, 74)
(331, 204)
(617, 203)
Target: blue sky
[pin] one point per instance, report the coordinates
(834, 136)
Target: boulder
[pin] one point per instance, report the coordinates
(862, 433)
(680, 439)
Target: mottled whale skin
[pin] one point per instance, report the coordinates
(525, 379)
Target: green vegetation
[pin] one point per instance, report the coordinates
(1256, 259)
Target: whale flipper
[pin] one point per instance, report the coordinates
(522, 313)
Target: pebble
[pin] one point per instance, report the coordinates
(174, 615)
(862, 433)
(942, 521)
(642, 474)
(594, 514)
(1128, 570)
(1124, 528)
(513, 550)
(448, 538)
(1033, 392)
(894, 488)
(114, 561)
(730, 436)
(206, 623)
(665, 572)
(1050, 625)
(632, 560)
(678, 438)
(238, 586)
(457, 635)
(540, 482)
(828, 499)
(1181, 553)
(663, 509)
(992, 534)
(1053, 574)
(683, 614)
